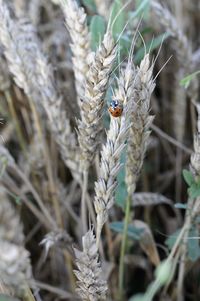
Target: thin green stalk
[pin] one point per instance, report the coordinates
(123, 248)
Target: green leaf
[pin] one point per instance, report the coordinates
(188, 177)
(193, 244)
(18, 200)
(194, 191)
(121, 195)
(140, 9)
(145, 8)
(133, 232)
(180, 206)
(170, 241)
(185, 82)
(7, 298)
(150, 46)
(118, 18)
(97, 29)
(138, 297)
(90, 4)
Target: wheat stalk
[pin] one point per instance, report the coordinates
(76, 23)
(195, 157)
(4, 75)
(7, 163)
(112, 150)
(91, 286)
(196, 59)
(192, 207)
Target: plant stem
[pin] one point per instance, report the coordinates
(123, 248)
(83, 201)
(16, 121)
(49, 168)
(181, 272)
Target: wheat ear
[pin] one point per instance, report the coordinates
(91, 286)
(90, 125)
(112, 150)
(76, 23)
(15, 267)
(137, 142)
(140, 123)
(11, 229)
(181, 43)
(33, 74)
(182, 47)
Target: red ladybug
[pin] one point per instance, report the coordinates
(115, 108)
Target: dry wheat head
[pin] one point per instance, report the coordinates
(91, 286)
(113, 148)
(140, 122)
(90, 125)
(76, 23)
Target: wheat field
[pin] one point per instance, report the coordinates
(100, 150)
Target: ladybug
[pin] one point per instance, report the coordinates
(115, 108)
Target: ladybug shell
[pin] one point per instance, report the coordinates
(115, 112)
